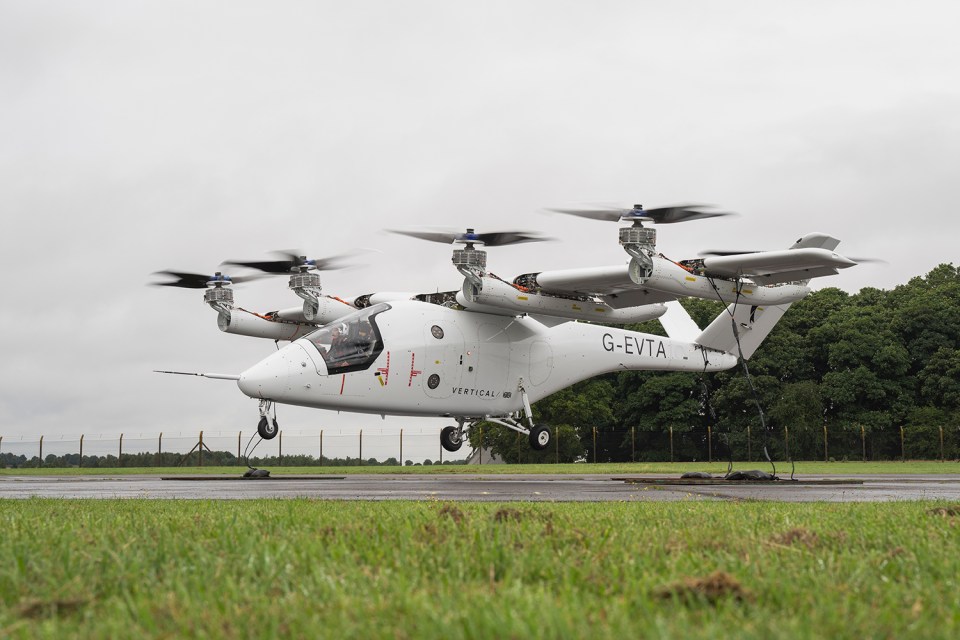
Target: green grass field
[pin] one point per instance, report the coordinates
(669, 468)
(306, 568)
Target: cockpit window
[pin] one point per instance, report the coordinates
(351, 343)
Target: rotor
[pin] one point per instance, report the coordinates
(638, 215)
(470, 237)
(292, 262)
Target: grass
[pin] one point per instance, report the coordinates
(615, 468)
(306, 568)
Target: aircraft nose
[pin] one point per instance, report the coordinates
(268, 379)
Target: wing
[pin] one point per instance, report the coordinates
(611, 284)
(810, 257)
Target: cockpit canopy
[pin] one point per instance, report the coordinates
(351, 343)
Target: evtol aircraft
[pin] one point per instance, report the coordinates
(488, 351)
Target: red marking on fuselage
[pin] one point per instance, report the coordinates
(386, 371)
(343, 382)
(413, 372)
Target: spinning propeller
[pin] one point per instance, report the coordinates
(494, 239)
(293, 263)
(201, 281)
(637, 214)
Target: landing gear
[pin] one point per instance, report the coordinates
(267, 427)
(451, 438)
(540, 437)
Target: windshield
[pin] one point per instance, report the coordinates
(351, 343)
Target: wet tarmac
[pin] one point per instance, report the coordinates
(486, 488)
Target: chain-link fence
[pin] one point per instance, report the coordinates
(383, 446)
(332, 447)
(748, 445)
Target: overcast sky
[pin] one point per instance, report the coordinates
(138, 136)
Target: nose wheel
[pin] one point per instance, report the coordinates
(267, 427)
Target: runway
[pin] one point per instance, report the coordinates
(483, 488)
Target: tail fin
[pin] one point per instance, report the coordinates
(753, 324)
(750, 325)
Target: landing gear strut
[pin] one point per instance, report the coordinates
(267, 427)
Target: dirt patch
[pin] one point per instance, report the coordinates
(798, 536)
(953, 510)
(36, 609)
(452, 512)
(717, 586)
(506, 515)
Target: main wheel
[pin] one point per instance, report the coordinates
(268, 429)
(450, 439)
(540, 437)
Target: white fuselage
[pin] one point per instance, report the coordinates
(476, 367)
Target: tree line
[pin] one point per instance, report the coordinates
(863, 365)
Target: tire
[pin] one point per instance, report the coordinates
(268, 429)
(540, 437)
(450, 439)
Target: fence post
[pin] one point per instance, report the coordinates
(81, 448)
(786, 442)
(556, 437)
(633, 444)
(826, 455)
(518, 447)
(749, 452)
(903, 452)
(863, 442)
(160, 449)
(401, 447)
(360, 458)
(481, 443)
(321, 447)
(120, 452)
(239, 433)
(709, 444)
(41, 452)
(942, 459)
(280, 447)
(671, 444)
(200, 448)
(594, 445)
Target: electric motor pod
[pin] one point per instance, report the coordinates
(642, 236)
(470, 258)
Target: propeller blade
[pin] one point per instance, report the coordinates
(270, 266)
(657, 215)
(430, 236)
(292, 262)
(184, 280)
(494, 239)
(504, 238)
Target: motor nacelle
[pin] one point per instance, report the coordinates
(245, 323)
(497, 296)
(669, 277)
